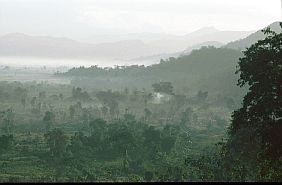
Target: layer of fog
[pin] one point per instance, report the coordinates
(42, 70)
(26, 62)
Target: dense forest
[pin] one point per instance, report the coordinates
(212, 115)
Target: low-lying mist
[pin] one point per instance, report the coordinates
(69, 63)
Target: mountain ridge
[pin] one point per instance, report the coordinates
(243, 43)
(20, 44)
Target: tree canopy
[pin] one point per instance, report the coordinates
(259, 120)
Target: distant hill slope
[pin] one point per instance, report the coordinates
(17, 44)
(165, 56)
(199, 64)
(110, 38)
(52, 47)
(198, 46)
(253, 38)
(203, 35)
(209, 68)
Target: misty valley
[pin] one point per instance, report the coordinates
(201, 107)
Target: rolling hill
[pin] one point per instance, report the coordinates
(22, 45)
(251, 39)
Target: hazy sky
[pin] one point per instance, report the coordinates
(81, 18)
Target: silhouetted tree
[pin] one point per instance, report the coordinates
(259, 121)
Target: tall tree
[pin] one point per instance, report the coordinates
(49, 120)
(259, 121)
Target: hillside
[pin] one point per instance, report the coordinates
(203, 35)
(136, 46)
(251, 39)
(208, 68)
(17, 44)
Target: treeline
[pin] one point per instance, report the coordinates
(206, 59)
(209, 68)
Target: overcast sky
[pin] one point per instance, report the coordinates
(79, 18)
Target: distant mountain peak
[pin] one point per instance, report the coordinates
(203, 31)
